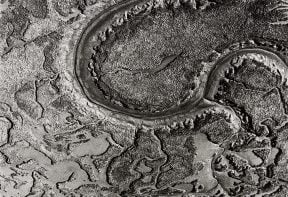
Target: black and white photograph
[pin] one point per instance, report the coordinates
(143, 98)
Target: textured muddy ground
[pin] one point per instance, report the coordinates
(143, 98)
